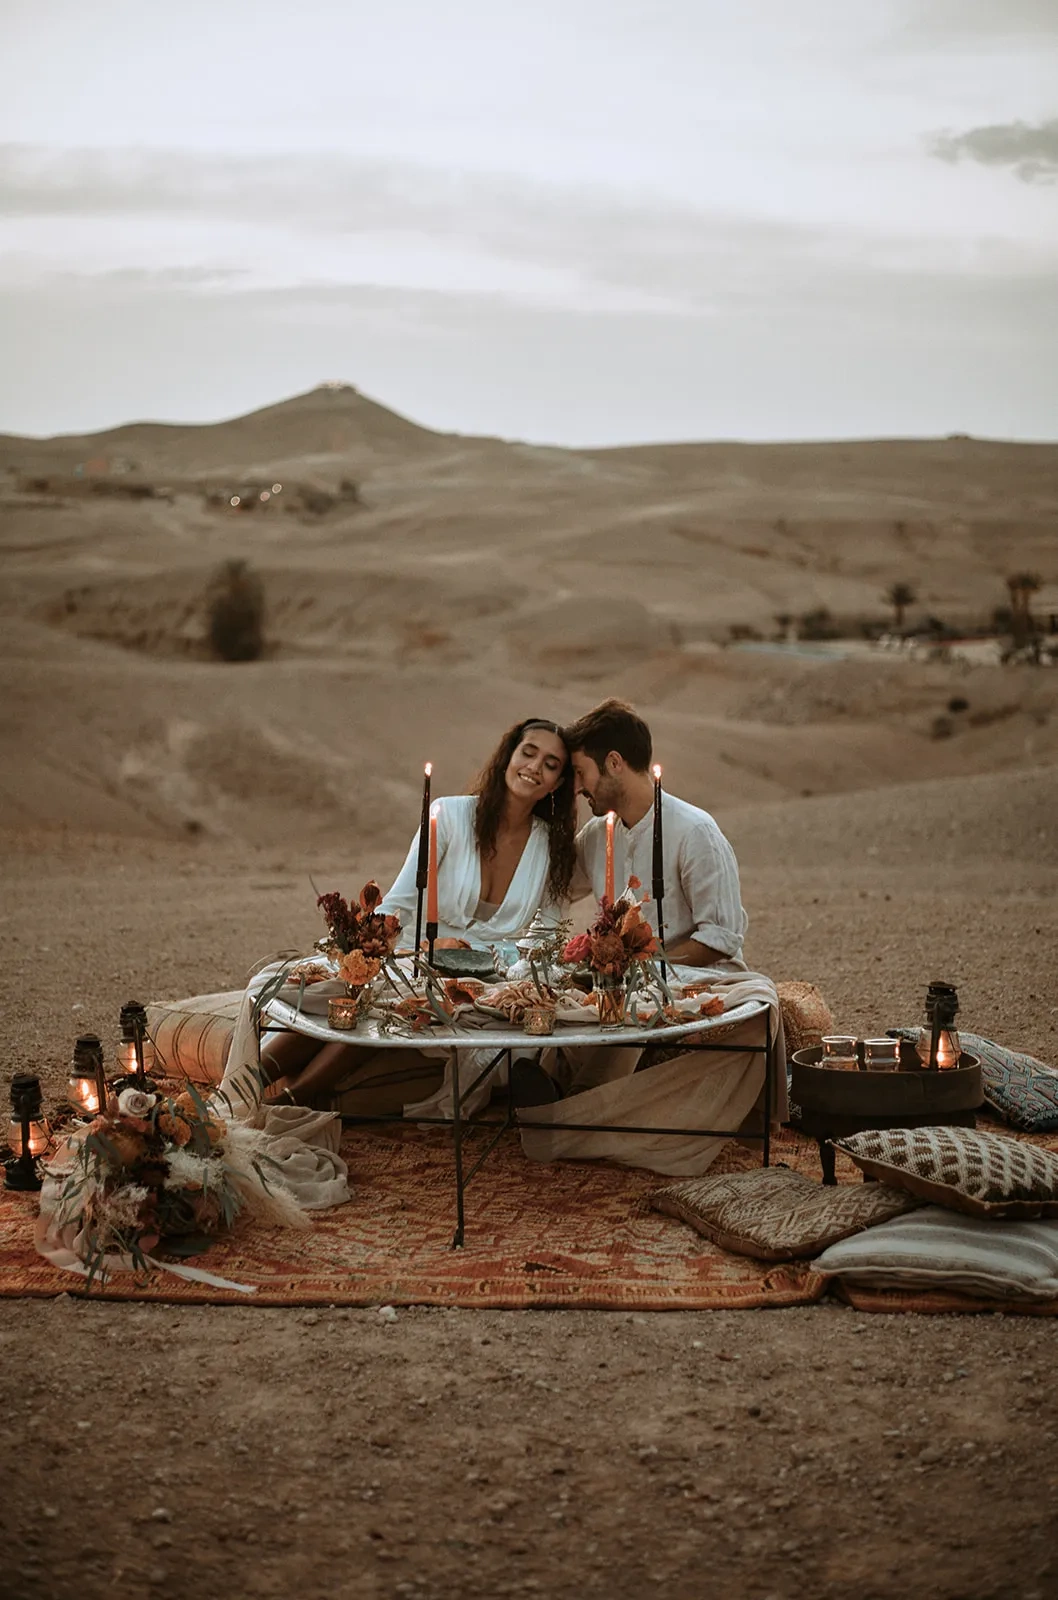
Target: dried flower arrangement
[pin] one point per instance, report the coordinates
(616, 940)
(153, 1173)
(361, 938)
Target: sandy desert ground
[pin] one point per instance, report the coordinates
(161, 815)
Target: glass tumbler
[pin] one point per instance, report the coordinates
(839, 1053)
(881, 1055)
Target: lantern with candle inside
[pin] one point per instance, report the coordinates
(86, 1082)
(938, 1045)
(135, 1051)
(28, 1135)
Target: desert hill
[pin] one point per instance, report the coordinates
(425, 589)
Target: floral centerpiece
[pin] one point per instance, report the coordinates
(360, 939)
(153, 1173)
(617, 953)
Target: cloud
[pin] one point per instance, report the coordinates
(1030, 150)
(330, 217)
(945, 21)
(292, 219)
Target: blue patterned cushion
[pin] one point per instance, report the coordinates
(1020, 1089)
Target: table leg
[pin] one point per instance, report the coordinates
(827, 1156)
(457, 1135)
(769, 1072)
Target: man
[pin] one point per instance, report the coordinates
(705, 924)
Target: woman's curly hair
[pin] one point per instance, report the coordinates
(558, 809)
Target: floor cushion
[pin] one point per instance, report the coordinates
(192, 1037)
(775, 1214)
(806, 1017)
(984, 1174)
(1020, 1089)
(938, 1249)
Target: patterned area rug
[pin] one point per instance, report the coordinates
(577, 1234)
(570, 1234)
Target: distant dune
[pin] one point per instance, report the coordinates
(423, 590)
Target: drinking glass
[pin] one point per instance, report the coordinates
(839, 1053)
(881, 1055)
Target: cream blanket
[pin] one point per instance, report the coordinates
(303, 1143)
(699, 1090)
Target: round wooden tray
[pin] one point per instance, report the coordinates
(822, 1092)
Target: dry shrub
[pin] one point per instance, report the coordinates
(236, 614)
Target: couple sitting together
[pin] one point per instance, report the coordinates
(511, 850)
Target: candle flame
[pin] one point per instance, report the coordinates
(428, 769)
(657, 772)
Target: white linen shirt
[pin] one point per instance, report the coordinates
(703, 900)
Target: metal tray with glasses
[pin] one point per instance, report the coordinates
(829, 1105)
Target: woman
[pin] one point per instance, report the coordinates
(503, 852)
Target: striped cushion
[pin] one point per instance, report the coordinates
(938, 1249)
(192, 1037)
(985, 1174)
(775, 1214)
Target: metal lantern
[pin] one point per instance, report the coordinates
(939, 1047)
(28, 1135)
(86, 1083)
(135, 1051)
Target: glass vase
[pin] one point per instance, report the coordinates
(610, 1000)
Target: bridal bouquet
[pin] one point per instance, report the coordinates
(360, 937)
(153, 1173)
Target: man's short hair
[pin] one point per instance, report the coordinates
(612, 725)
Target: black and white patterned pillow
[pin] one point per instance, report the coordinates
(985, 1174)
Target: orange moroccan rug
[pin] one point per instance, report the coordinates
(578, 1234)
(571, 1234)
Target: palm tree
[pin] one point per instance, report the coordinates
(900, 596)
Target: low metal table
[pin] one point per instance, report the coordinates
(504, 1040)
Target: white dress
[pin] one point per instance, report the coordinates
(459, 881)
(463, 914)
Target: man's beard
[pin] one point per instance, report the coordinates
(606, 798)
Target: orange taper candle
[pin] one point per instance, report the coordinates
(431, 871)
(611, 818)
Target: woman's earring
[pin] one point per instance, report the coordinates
(552, 805)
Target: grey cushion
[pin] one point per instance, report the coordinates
(938, 1249)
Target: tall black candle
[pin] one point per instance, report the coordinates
(422, 864)
(658, 866)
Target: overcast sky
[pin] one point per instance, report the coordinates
(577, 221)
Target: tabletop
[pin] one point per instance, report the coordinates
(496, 1036)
